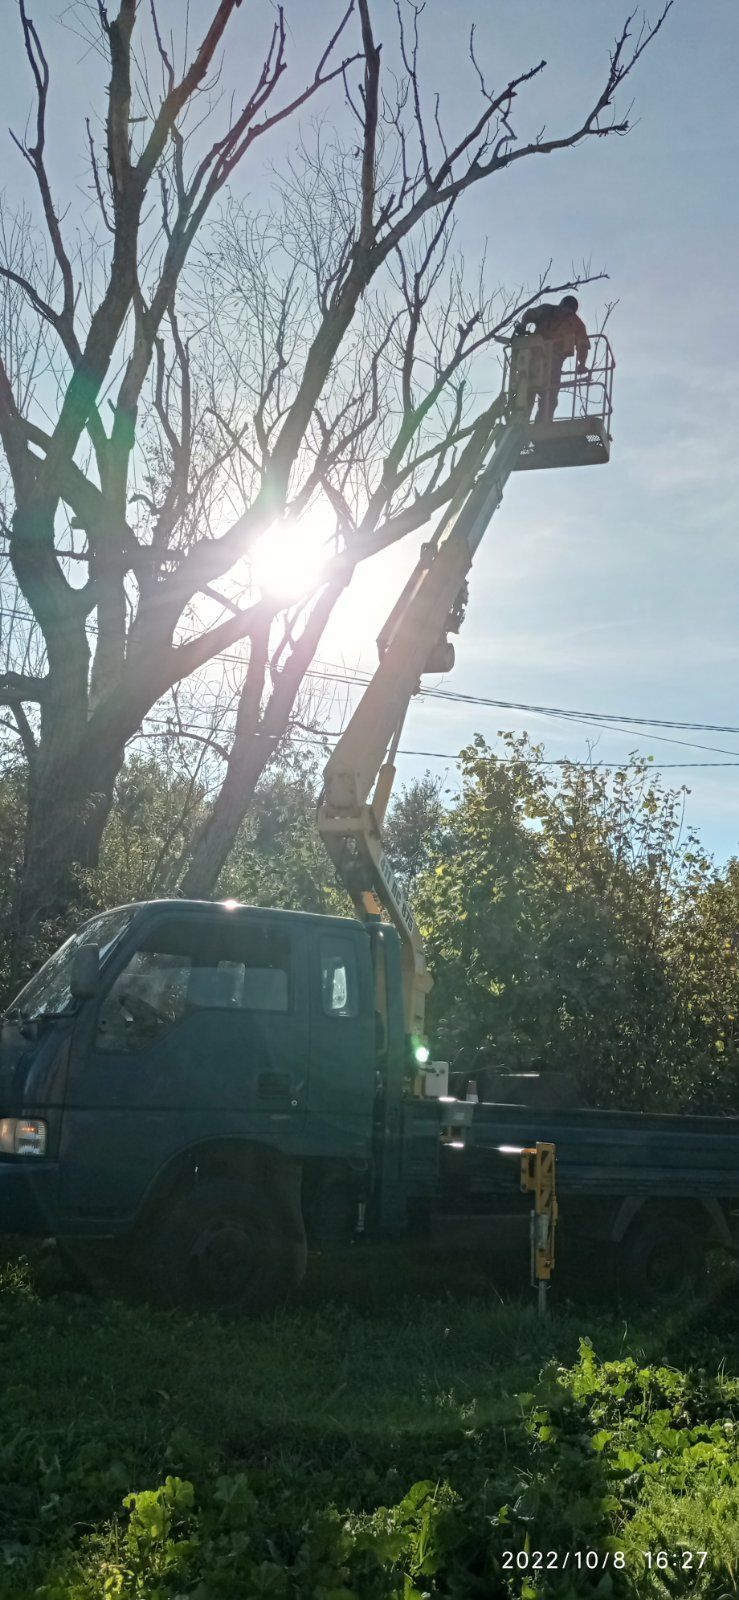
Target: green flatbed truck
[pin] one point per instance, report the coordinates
(222, 1087)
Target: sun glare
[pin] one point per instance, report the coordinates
(288, 562)
(287, 565)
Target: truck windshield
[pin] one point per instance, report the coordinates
(47, 993)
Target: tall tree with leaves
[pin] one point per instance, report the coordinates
(555, 916)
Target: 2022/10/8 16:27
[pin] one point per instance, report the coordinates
(595, 1560)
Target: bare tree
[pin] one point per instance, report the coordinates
(168, 397)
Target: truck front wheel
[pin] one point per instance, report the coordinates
(224, 1244)
(662, 1258)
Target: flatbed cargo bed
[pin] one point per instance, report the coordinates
(600, 1152)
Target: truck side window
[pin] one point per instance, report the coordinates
(339, 977)
(191, 965)
(147, 997)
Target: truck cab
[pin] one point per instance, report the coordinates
(256, 1054)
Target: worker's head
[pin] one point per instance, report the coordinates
(569, 303)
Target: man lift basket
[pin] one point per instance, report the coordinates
(580, 434)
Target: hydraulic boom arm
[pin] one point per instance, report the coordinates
(362, 764)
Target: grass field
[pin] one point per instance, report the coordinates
(383, 1437)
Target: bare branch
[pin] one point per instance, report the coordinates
(25, 730)
(35, 155)
(181, 92)
(16, 686)
(96, 178)
(370, 100)
(184, 659)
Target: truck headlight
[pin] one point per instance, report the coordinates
(22, 1136)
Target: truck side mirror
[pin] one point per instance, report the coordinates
(83, 983)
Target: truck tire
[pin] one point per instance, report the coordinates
(662, 1259)
(224, 1244)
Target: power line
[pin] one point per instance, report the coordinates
(330, 668)
(331, 672)
(445, 755)
(605, 720)
(567, 761)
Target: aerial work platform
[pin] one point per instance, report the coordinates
(358, 777)
(580, 433)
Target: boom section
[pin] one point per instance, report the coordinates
(362, 763)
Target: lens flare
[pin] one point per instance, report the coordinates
(288, 562)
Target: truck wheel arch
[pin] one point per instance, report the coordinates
(233, 1158)
(222, 1228)
(708, 1213)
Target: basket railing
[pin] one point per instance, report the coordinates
(581, 394)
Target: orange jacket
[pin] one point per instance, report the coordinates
(564, 328)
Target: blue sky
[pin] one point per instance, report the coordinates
(610, 589)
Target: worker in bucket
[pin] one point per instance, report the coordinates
(565, 335)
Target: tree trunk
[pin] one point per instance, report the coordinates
(70, 798)
(256, 738)
(219, 831)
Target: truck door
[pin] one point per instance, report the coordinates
(343, 1067)
(201, 1033)
(390, 1197)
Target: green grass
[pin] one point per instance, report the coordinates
(279, 1458)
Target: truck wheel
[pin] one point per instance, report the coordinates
(662, 1259)
(223, 1245)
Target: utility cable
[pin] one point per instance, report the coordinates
(442, 755)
